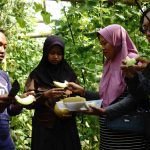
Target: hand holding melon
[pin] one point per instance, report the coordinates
(130, 66)
(130, 61)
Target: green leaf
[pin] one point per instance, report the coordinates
(21, 22)
(121, 17)
(46, 17)
(37, 7)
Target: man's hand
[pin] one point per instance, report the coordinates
(4, 102)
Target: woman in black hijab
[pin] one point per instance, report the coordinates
(49, 131)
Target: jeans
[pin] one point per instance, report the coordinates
(6, 142)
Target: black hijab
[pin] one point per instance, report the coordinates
(45, 73)
(144, 14)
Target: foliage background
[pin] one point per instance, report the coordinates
(78, 28)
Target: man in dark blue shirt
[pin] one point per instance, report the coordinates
(6, 109)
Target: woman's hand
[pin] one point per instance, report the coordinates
(54, 93)
(28, 93)
(142, 63)
(130, 71)
(75, 88)
(93, 111)
(97, 111)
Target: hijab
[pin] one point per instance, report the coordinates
(45, 73)
(112, 84)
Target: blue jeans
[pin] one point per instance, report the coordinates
(6, 142)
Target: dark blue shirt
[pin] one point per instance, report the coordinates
(6, 142)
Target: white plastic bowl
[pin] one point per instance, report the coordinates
(95, 103)
(74, 106)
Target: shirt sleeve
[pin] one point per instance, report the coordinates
(126, 105)
(139, 87)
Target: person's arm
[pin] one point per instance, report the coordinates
(40, 94)
(139, 86)
(122, 107)
(138, 78)
(4, 102)
(79, 90)
(43, 96)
